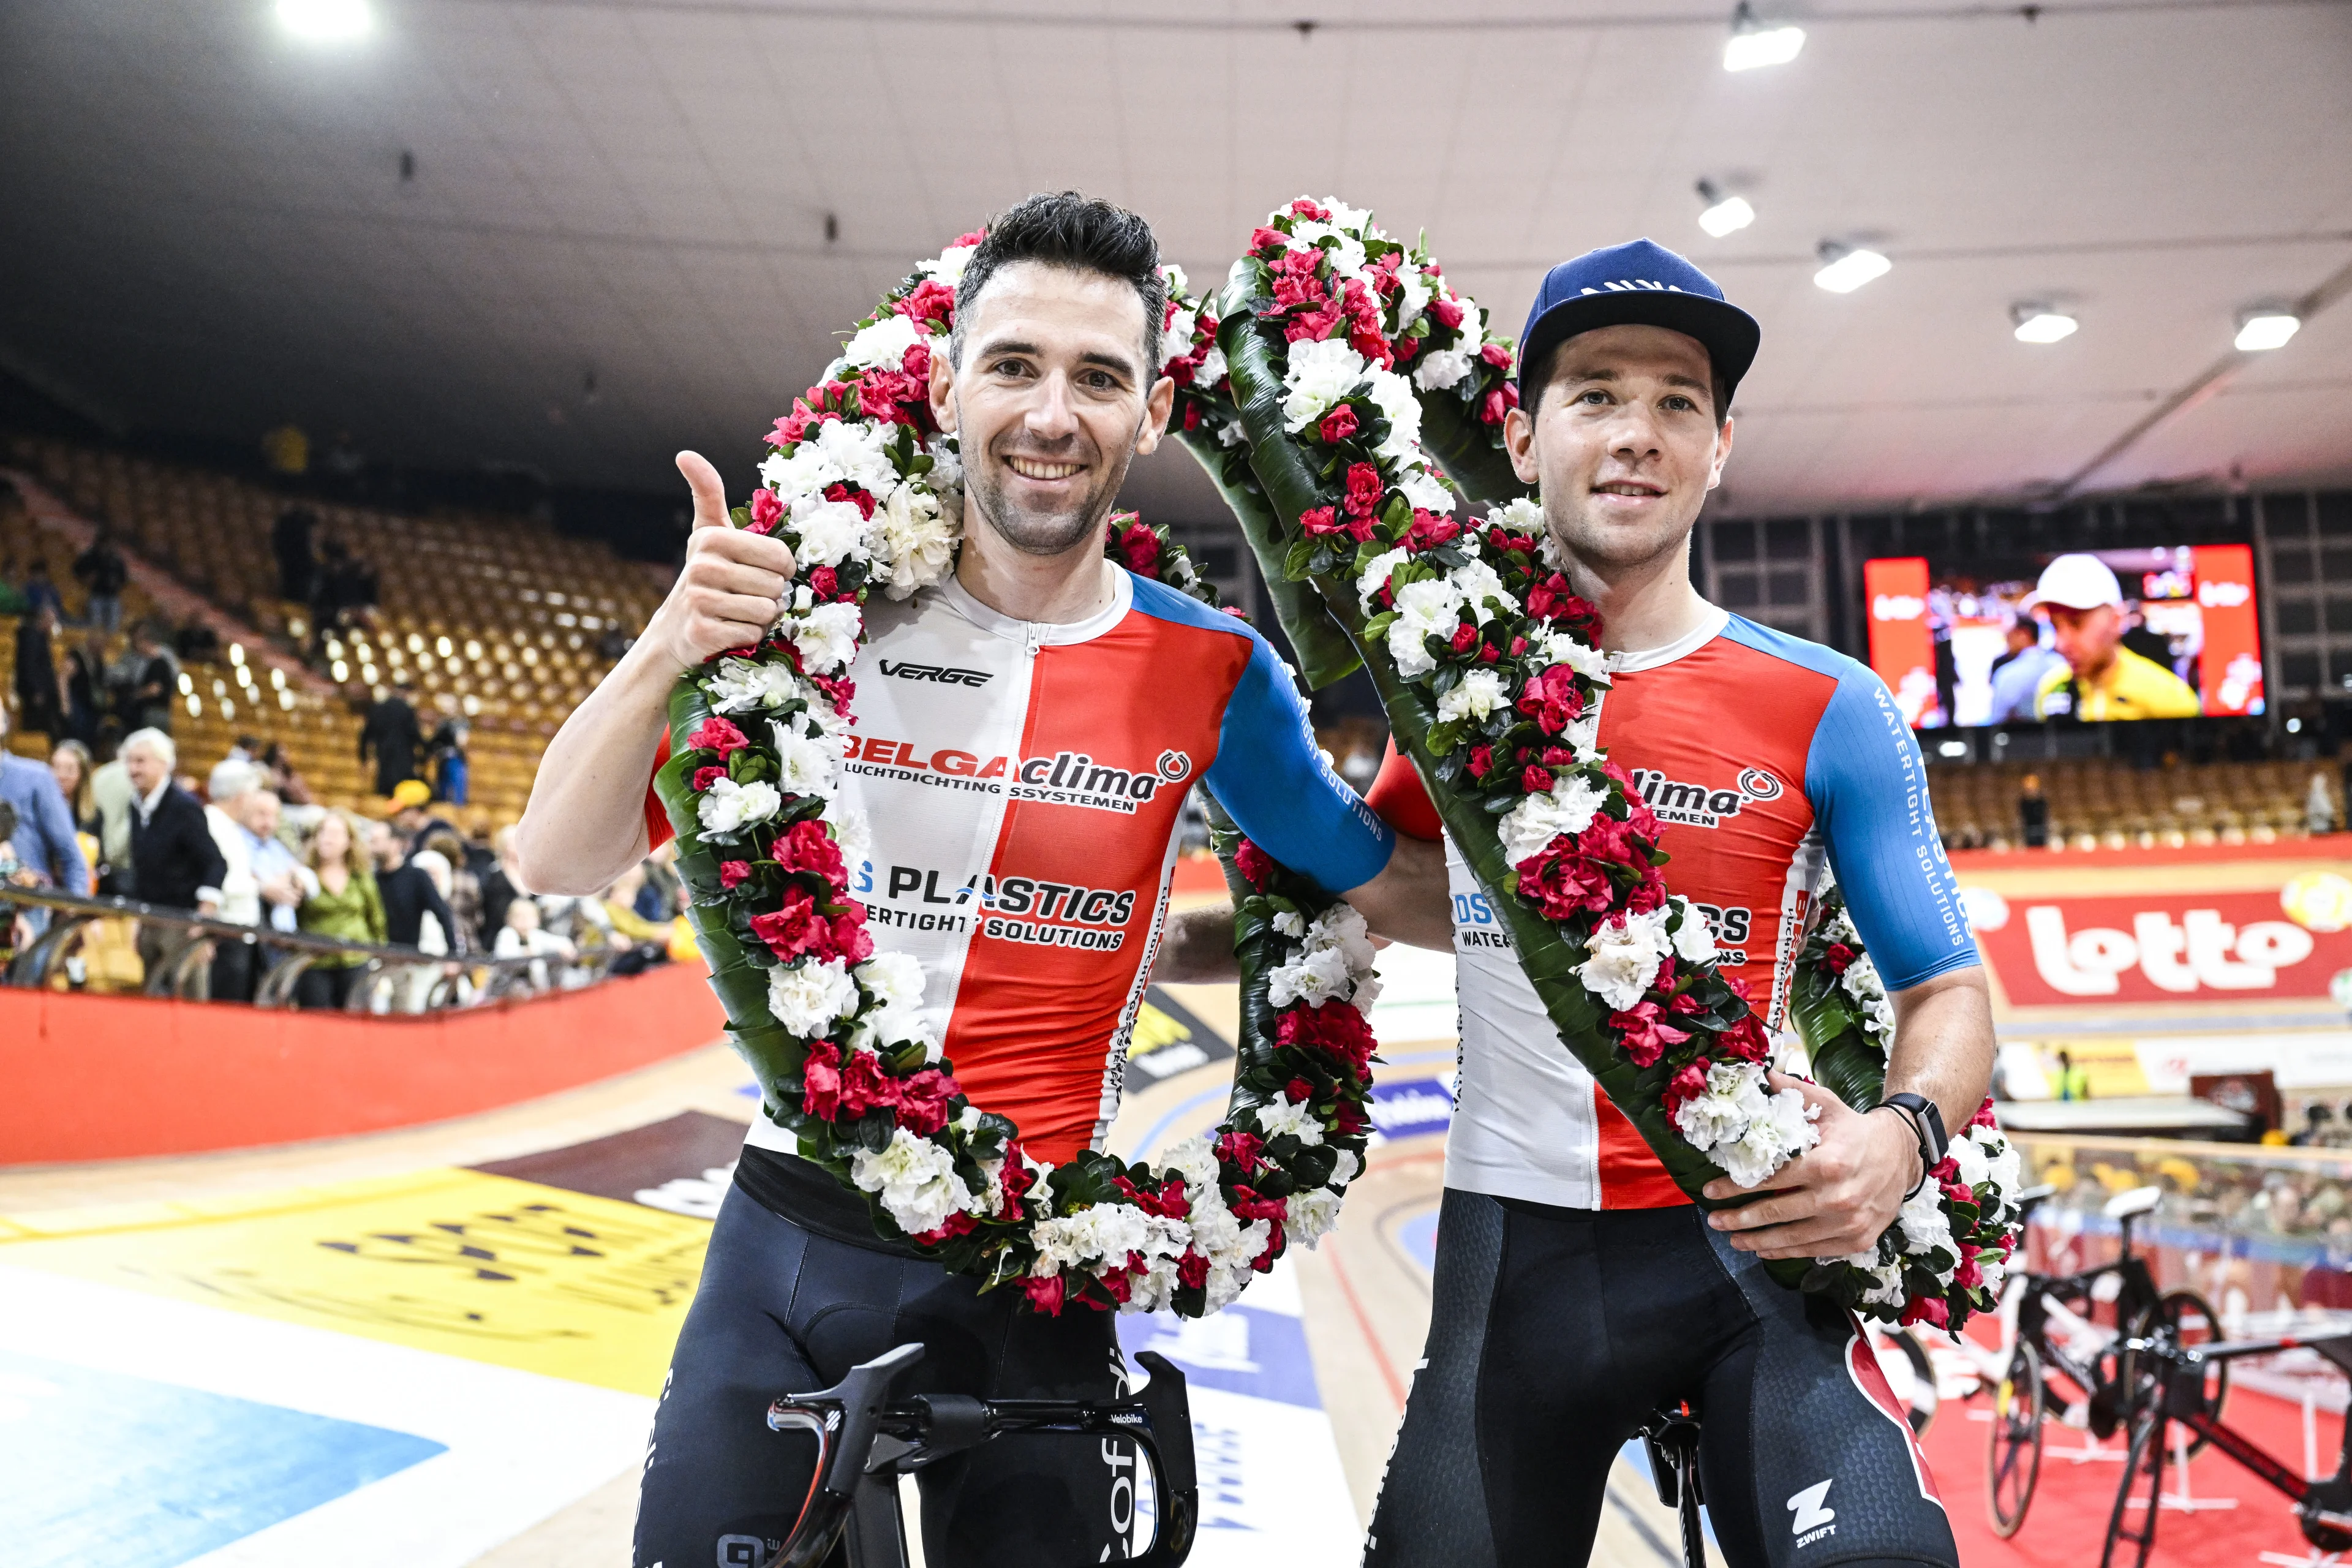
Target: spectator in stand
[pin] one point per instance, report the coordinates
(43, 838)
(102, 571)
(389, 737)
(499, 889)
(2032, 814)
(157, 682)
(297, 563)
(114, 799)
(636, 940)
(2319, 806)
(450, 768)
(2073, 1082)
(40, 592)
(285, 778)
(412, 820)
(174, 863)
(39, 699)
(346, 906)
(407, 890)
(520, 937)
(70, 765)
(265, 885)
(663, 898)
(85, 689)
(462, 888)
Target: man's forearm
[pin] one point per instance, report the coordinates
(584, 824)
(1943, 1045)
(1197, 947)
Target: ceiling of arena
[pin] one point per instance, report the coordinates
(633, 225)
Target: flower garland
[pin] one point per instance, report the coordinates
(1945, 1254)
(1489, 667)
(866, 490)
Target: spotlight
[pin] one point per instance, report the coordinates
(326, 21)
(1752, 43)
(1846, 268)
(2266, 327)
(1724, 215)
(2041, 323)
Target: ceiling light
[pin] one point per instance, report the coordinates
(2268, 326)
(1846, 268)
(1753, 43)
(328, 21)
(1724, 215)
(2041, 323)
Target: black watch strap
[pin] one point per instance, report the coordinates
(1929, 1122)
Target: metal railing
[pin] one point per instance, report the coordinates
(458, 981)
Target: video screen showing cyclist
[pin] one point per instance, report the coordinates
(1027, 732)
(1577, 1290)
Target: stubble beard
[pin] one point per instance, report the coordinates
(1610, 550)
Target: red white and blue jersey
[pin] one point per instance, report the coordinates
(1762, 754)
(1022, 783)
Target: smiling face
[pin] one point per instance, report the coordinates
(1624, 443)
(1052, 401)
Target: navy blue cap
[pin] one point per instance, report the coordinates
(1641, 283)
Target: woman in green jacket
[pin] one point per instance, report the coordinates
(346, 906)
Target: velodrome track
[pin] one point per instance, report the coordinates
(441, 1345)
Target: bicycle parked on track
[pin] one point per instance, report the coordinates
(2065, 1363)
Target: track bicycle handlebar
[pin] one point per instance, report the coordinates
(866, 1440)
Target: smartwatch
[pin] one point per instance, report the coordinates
(1927, 1123)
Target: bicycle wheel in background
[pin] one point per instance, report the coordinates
(2013, 1458)
(2194, 1323)
(2146, 1456)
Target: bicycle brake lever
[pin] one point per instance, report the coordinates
(844, 1420)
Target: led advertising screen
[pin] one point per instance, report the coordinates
(2095, 636)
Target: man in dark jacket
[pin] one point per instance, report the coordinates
(390, 733)
(155, 682)
(102, 571)
(38, 710)
(174, 863)
(407, 889)
(289, 540)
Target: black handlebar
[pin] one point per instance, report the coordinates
(866, 1440)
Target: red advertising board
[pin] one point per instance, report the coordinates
(2231, 670)
(1901, 649)
(2157, 947)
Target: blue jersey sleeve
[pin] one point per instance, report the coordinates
(1868, 785)
(1276, 784)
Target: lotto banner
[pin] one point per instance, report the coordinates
(2069, 951)
(1902, 649)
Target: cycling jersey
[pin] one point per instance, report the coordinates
(1022, 782)
(1760, 753)
(2133, 687)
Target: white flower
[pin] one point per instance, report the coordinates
(1355, 219)
(1770, 1139)
(1392, 395)
(1885, 1287)
(1375, 577)
(1970, 1159)
(1694, 938)
(1176, 342)
(1284, 1117)
(1212, 368)
(1538, 819)
(1095, 1234)
(1315, 977)
(1861, 982)
(948, 268)
(2007, 1171)
(1196, 1159)
(806, 997)
(1174, 276)
(1432, 606)
(1521, 515)
(1321, 372)
(917, 539)
(887, 1027)
(1626, 954)
(1311, 1214)
(1347, 250)
(740, 685)
(1441, 368)
(915, 1179)
(1230, 432)
(895, 979)
(831, 531)
(1483, 590)
(850, 831)
(947, 464)
(853, 449)
(1348, 1168)
(1926, 1226)
(1479, 693)
(1557, 647)
(1548, 551)
(885, 344)
(805, 473)
(726, 805)
(826, 637)
(1414, 291)
(1750, 1134)
(1583, 736)
(1290, 923)
(807, 764)
(1425, 490)
(1474, 325)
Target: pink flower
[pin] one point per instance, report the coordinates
(839, 690)
(916, 365)
(1688, 1084)
(1448, 312)
(923, 1101)
(931, 300)
(1534, 780)
(705, 777)
(960, 1223)
(1499, 357)
(1429, 531)
(862, 498)
(1364, 489)
(733, 874)
(1498, 403)
(1141, 548)
(1013, 1180)
(806, 845)
(1746, 1039)
(1837, 958)
(766, 510)
(1303, 207)
(826, 584)
(1482, 759)
(1339, 424)
(1244, 1151)
(1465, 637)
(1552, 700)
(1643, 1034)
(1560, 882)
(1253, 863)
(821, 1081)
(1045, 1295)
(717, 734)
(1320, 520)
(865, 1086)
(1297, 1092)
(1336, 1028)
(1263, 237)
(1248, 1205)
(1553, 600)
(1312, 325)
(1926, 1309)
(796, 928)
(1193, 1269)
(1984, 1116)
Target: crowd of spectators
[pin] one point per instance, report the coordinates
(245, 845)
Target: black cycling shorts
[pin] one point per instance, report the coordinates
(1555, 1334)
(789, 1305)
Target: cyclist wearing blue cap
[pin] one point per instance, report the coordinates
(1577, 1290)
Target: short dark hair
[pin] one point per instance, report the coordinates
(1082, 233)
(1715, 386)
